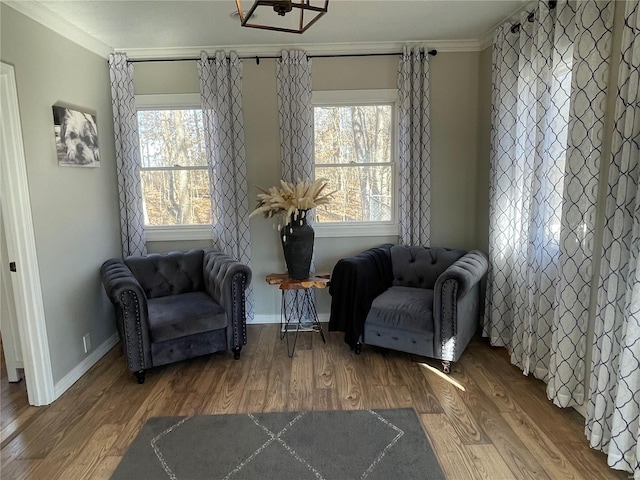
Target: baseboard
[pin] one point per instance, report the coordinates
(270, 318)
(83, 367)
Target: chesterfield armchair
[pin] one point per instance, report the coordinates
(419, 300)
(177, 305)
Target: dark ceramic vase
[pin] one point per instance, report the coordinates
(297, 243)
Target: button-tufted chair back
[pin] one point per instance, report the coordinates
(420, 267)
(169, 274)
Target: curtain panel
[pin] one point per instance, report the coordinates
(548, 100)
(221, 99)
(414, 139)
(293, 74)
(295, 113)
(613, 414)
(128, 163)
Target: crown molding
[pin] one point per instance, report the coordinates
(487, 39)
(49, 19)
(311, 48)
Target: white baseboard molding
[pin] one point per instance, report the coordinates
(83, 367)
(275, 318)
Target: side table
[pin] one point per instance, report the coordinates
(291, 319)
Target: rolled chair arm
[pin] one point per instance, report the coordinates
(456, 296)
(467, 271)
(226, 280)
(130, 303)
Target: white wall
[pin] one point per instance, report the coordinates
(75, 210)
(455, 201)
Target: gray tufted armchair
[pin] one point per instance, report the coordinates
(177, 305)
(419, 300)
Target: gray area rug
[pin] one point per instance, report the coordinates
(337, 445)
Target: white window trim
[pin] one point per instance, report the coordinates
(361, 97)
(168, 101)
(163, 233)
(177, 232)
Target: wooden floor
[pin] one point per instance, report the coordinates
(486, 420)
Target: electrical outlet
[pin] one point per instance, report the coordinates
(86, 342)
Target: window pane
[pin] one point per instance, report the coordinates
(171, 137)
(352, 134)
(176, 197)
(363, 194)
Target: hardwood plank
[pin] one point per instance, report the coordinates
(485, 420)
(591, 464)
(554, 463)
(349, 384)
(88, 459)
(105, 468)
(447, 445)
(324, 362)
(487, 463)
(20, 469)
(422, 394)
(325, 399)
(267, 341)
(462, 418)
(491, 385)
(278, 380)
(20, 418)
(301, 383)
(522, 462)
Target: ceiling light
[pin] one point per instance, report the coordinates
(282, 15)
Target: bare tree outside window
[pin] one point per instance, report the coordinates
(353, 150)
(175, 179)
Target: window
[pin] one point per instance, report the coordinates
(355, 148)
(174, 175)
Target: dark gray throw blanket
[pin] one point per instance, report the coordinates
(355, 282)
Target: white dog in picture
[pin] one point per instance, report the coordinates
(79, 136)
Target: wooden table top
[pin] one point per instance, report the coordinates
(318, 280)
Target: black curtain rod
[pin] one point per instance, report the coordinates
(532, 15)
(258, 57)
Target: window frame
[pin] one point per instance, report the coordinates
(340, 98)
(172, 101)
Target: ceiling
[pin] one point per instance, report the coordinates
(156, 25)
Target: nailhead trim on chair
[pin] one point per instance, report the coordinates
(132, 294)
(238, 278)
(453, 319)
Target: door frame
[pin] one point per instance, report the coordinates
(8, 327)
(21, 243)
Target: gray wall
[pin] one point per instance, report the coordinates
(454, 150)
(75, 210)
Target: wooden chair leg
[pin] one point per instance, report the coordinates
(140, 376)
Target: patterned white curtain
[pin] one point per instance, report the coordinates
(549, 79)
(293, 76)
(125, 125)
(414, 138)
(221, 98)
(613, 415)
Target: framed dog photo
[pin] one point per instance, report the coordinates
(76, 138)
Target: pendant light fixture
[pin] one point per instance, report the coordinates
(282, 15)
